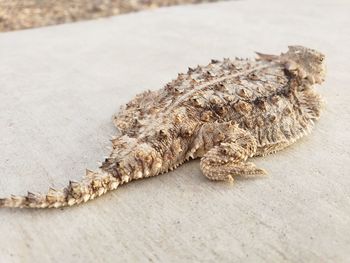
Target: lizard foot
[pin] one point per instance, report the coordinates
(229, 159)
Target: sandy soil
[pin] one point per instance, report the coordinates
(19, 14)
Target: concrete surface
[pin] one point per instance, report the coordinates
(59, 87)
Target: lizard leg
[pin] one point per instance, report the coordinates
(229, 158)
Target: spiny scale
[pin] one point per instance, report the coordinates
(223, 113)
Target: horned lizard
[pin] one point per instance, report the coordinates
(222, 113)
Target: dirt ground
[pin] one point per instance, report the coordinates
(22, 14)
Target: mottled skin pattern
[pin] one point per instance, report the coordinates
(223, 113)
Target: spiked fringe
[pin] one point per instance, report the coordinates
(94, 184)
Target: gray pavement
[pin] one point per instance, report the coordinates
(60, 85)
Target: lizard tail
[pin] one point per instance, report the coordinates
(94, 184)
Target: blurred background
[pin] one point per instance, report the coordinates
(22, 14)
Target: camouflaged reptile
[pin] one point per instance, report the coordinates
(223, 113)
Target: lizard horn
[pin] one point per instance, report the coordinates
(266, 57)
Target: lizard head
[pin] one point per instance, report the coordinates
(306, 63)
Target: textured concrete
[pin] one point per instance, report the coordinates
(59, 87)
